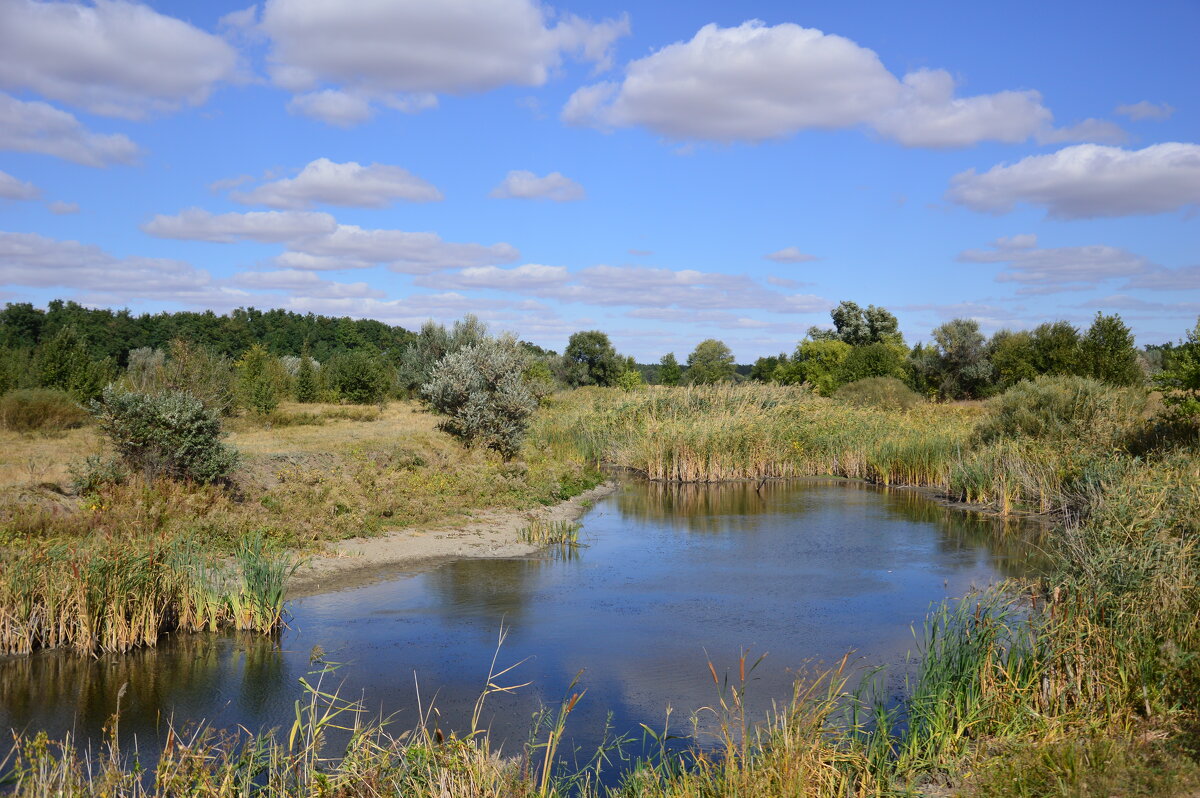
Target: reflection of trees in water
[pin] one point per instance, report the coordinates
(1010, 544)
(64, 690)
(714, 507)
(494, 590)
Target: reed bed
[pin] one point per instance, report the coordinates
(118, 594)
(551, 533)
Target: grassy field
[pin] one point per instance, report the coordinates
(112, 570)
(1080, 683)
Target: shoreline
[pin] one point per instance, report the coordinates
(355, 562)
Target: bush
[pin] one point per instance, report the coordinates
(40, 410)
(96, 472)
(358, 377)
(885, 393)
(165, 435)
(1068, 409)
(482, 391)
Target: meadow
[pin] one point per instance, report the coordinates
(1082, 682)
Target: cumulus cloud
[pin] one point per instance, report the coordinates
(14, 189)
(304, 283)
(755, 82)
(520, 278)
(790, 255)
(30, 259)
(1146, 110)
(390, 51)
(1088, 181)
(352, 247)
(39, 127)
(112, 57)
(635, 286)
(555, 186)
(410, 311)
(346, 184)
(196, 224)
(1056, 269)
(333, 107)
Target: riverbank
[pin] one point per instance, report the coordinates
(486, 535)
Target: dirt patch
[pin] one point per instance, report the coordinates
(490, 534)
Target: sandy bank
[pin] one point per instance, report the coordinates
(358, 561)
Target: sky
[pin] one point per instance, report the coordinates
(666, 172)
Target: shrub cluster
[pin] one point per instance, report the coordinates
(482, 391)
(885, 393)
(165, 435)
(1070, 409)
(40, 410)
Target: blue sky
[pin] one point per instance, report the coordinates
(666, 172)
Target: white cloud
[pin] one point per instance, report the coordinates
(304, 283)
(40, 127)
(114, 58)
(30, 259)
(350, 247)
(386, 50)
(61, 208)
(1160, 278)
(1088, 181)
(196, 224)
(14, 189)
(410, 311)
(1052, 270)
(555, 186)
(333, 107)
(1097, 131)
(790, 255)
(929, 115)
(755, 82)
(1146, 110)
(635, 286)
(1126, 302)
(520, 278)
(346, 184)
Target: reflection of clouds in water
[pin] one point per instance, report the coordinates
(674, 574)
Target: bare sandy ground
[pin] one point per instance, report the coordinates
(490, 534)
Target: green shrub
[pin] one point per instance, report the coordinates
(96, 472)
(165, 435)
(40, 410)
(358, 377)
(1075, 410)
(885, 393)
(482, 391)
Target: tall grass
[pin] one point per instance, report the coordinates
(117, 594)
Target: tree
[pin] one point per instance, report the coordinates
(64, 362)
(966, 371)
(359, 377)
(308, 388)
(1056, 349)
(710, 362)
(592, 360)
(873, 360)
(858, 327)
(670, 373)
(1013, 356)
(1180, 377)
(482, 391)
(816, 362)
(1108, 353)
(764, 368)
(259, 374)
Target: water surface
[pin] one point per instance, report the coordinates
(673, 576)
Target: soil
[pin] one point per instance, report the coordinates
(491, 534)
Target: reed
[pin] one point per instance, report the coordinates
(551, 533)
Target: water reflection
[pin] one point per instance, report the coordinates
(674, 575)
